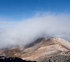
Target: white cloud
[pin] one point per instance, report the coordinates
(30, 29)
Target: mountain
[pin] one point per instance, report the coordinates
(42, 50)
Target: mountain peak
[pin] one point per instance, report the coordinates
(42, 49)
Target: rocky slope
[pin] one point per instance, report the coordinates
(42, 50)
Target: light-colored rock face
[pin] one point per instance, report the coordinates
(44, 48)
(61, 42)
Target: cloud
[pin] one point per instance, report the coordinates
(6, 22)
(33, 28)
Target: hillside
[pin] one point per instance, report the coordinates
(42, 50)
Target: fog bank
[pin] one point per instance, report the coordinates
(29, 30)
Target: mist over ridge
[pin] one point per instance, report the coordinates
(29, 30)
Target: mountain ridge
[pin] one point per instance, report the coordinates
(41, 49)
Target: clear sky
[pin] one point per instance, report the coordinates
(18, 10)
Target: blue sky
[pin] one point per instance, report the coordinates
(18, 10)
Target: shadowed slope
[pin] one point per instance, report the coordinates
(13, 59)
